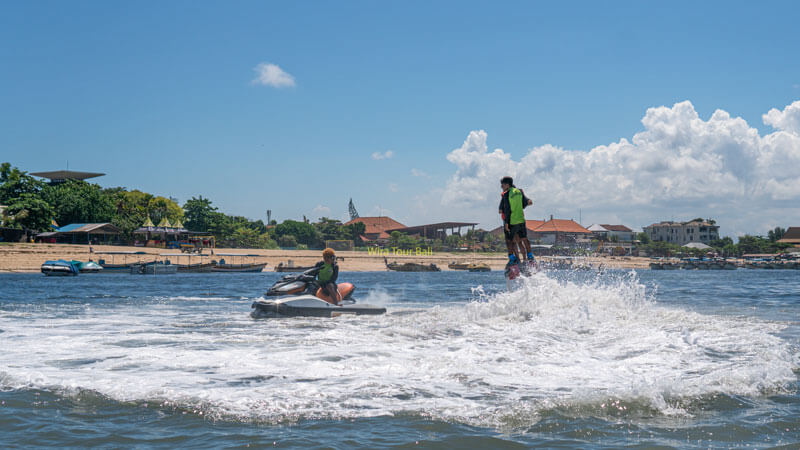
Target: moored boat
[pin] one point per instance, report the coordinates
(60, 268)
(411, 267)
(154, 268)
(224, 267)
(479, 267)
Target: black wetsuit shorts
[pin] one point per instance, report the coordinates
(516, 230)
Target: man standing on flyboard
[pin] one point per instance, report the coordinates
(512, 203)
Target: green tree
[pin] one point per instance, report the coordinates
(287, 240)
(28, 211)
(776, 234)
(198, 213)
(752, 244)
(14, 183)
(643, 238)
(245, 237)
(76, 201)
(303, 232)
(159, 208)
(130, 209)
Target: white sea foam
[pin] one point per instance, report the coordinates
(497, 360)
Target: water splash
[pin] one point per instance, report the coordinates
(499, 360)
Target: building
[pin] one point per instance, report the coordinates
(376, 228)
(435, 230)
(791, 236)
(562, 233)
(605, 232)
(82, 233)
(558, 232)
(682, 233)
(60, 176)
(530, 225)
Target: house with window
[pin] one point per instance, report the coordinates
(608, 233)
(683, 233)
(376, 228)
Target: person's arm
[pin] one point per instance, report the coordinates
(335, 275)
(315, 270)
(525, 200)
(506, 208)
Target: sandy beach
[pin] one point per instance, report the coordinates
(29, 257)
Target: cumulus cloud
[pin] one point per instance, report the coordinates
(268, 74)
(679, 166)
(385, 155)
(787, 120)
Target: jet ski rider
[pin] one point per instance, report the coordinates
(327, 271)
(512, 203)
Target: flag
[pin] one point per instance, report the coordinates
(53, 224)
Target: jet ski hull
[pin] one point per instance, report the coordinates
(309, 306)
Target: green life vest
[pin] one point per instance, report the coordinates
(515, 200)
(325, 273)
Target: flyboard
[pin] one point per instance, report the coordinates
(516, 271)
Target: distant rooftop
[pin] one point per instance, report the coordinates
(59, 176)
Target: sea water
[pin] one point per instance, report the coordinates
(662, 358)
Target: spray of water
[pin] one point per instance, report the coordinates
(499, 360)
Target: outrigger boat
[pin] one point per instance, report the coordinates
(299, 295)
(223, 266)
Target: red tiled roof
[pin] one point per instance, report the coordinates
(529, 224)
(533, 224)
(615, 227)
(377, 224)
(561, 226)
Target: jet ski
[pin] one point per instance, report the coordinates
(299, 295)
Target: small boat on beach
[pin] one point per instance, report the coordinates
(479, 267)
(124, 266)
(60, 268)
(154, 268)
(411, 267)
(290, 267)
(458, 266)
(224, 267)
(88, 267)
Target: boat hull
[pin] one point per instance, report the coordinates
(238, 268)
(154, 269)
(59, 268)
(309, 306)
(195, 268)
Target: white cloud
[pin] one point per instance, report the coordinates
(268, 74)
(786, 120)
(418, 173)
(322, 210)
(679, 166)
(394, 187)
(385, 155)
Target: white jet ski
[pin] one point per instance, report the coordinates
(299, 295)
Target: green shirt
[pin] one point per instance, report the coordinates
(515, 201)
(325, 274)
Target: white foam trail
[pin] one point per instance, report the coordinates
(378, 296)
(490, 362)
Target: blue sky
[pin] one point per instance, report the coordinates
(160, 96)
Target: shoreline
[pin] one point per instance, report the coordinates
(28, 258)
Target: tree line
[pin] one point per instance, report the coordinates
(34, 205)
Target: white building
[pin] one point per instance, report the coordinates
(604, 232)
(683, 232)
